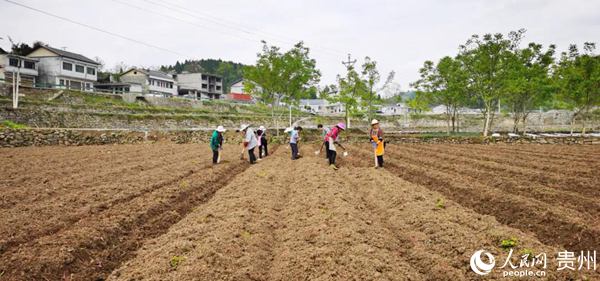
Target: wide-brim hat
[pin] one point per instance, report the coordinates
(342, 126)
(262, 128)
(244, 127)
(221, 129)
(375, 121)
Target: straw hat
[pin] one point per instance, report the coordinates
(244, 127)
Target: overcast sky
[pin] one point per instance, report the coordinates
(399, 35)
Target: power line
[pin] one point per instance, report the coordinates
(97, 29)
(234, 26)
(180, 20)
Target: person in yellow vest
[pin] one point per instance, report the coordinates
(377, 142)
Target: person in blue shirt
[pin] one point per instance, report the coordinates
(294, 138)
(216, 144)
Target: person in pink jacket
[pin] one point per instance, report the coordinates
(331, 139)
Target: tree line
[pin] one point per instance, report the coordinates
(494, 71)
(286, 77)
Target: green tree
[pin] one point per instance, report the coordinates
(485, 60)
(578, 80)
(299, 76)
(528, 84)
(371, 77)
(350, 90)
(445, 84)
(278, 76)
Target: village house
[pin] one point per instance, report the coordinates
(153, 82)
(237, 94)
(200, 85)
(119, 88)
(322, 107)
(61, 69)
(237, 87)
(395, 109)
(317, 106)
(12, 66)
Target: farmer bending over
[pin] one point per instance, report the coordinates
(250, 142)
(332, 139)
(216, 144)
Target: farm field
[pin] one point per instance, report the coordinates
(164, 212)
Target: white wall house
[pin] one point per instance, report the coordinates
(395, 109)
(13, 65)
(317, 106)
(237, 87)
(153, 82)
(62, 69)
(200, 85)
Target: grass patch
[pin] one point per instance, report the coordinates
(176, 261)
(509, 243)
(12, 125)
(439, 203)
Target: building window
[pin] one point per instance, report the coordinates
(29, 64)
(218, 88)
(62, 82)
(13, 62)
(91, 71)
(204, 86)
(67, 66)
(79, 68)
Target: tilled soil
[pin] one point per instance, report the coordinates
(163, 212)
(82, 223)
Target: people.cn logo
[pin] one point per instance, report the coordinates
(479, 266)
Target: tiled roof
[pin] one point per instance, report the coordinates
(70, 55)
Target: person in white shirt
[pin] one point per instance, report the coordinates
(294, 138)
(250, 141)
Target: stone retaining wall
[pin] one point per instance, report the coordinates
(43, 137)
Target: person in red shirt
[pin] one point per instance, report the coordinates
(332, 139)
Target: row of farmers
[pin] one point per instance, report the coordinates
(329, 135)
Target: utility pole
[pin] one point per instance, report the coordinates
(349, 64)
(18, 82)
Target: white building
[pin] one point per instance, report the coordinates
(153, 82)
(200, 85)
(62, 69)
(13, 65)
(317, 106)
(441, 109)
(119, 88)
(237, 87)
(395, 109)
